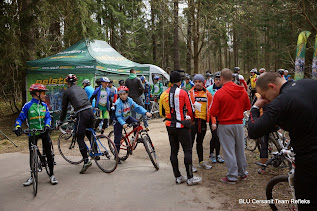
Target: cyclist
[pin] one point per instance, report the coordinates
(214, 142)
(252, 82)
(38, 117)
(157, 87)
(242, 82)
(98, 83)
(202, 101)
(262, 70)
(281, 72)
(173, 103)
(77, 97)
(187, 84)
(113, 92)
(89, 90)
(209, 80)
(102, 96)
(123, 107)
(286, 76)
(293, 115)
(121, 82)
(147, 93)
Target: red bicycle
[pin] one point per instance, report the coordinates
(128, 145)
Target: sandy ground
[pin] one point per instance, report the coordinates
(134, 185)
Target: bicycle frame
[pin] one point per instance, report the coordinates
(138, 130)
(94, 141)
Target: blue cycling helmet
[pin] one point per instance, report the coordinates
(156, 77)
(105, 79)
(142, 78)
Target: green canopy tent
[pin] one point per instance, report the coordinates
(88, 59)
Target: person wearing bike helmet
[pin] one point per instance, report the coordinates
(262, 70)
(157, 87)
(121, 82)
(239, 78)
(187, 84)
(77, 97)
(89, 90)
(209, 80)
(103, 102)
(252, 82)
(37, 115)
(214, 142)
(286, 76)
(281, 72)
(123, 108)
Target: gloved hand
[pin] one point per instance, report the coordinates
(47, 128)
(18, 131)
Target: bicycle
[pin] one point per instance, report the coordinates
(281, 187)
(128, 145)
(102, 149)
(155, 108)
(37, 159)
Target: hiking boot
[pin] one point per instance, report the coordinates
(212, 158)
(204, 165)
(53, 180)
(219, 159)
(194, 181)
(194, 170)
(261, 171)
(28, 182)
(225, 180)
(181, 179)
(245, 177)
(85, 167)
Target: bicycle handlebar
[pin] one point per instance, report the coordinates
(33, 131)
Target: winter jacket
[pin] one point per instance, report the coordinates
(135, 86)
(123, 109)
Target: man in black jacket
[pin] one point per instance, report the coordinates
(292, 106)
(136, 89)
(77, 97)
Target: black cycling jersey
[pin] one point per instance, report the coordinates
(78, 98)
(294, 110)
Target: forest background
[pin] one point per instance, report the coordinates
(193, 35)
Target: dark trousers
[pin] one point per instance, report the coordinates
(182, 136)
(199, 129)
(118, 131)
(47, 149)
(85, 119)
(264, 142)
(305, 180)
(214, 142)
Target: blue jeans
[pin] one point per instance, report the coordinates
(118, 131)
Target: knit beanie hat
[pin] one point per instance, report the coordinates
(199, 77)
(175, 77)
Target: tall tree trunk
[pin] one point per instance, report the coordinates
(176, 41)
(153, 12)
(189, 36)
(27, 38)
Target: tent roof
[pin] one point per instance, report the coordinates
(87, 55)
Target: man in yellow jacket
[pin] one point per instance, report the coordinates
(201, 99)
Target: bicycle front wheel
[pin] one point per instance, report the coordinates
(69, 149)
(124, 147)
(277, 190)
(150, 150)
(34, 169)
(107, 156)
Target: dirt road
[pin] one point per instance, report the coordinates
(134, 185)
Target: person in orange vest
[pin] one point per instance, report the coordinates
(201, 99)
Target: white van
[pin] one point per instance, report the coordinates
(164, 76)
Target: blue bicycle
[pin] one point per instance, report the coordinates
(102, 149)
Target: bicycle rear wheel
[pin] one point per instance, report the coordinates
(34, 169)
(124, 147)
(278, 189)
(150, 150)
(69, 149)
(107, 156)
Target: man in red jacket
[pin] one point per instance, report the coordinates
(228, 106)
